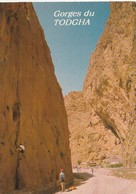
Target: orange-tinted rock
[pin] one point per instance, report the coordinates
(90, 140)
(32, 109)
(110, 85)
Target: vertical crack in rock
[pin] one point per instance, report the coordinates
(16, 118)
(17, 173)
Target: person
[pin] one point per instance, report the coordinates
(21, 148)
(92, 170)
(62, 179)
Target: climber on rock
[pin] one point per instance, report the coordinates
(21, 148)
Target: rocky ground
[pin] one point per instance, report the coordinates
(101, 182)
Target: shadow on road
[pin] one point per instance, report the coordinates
(80, 178)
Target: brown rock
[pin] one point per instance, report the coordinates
(90, 140)
(32, 110)
(110, 88)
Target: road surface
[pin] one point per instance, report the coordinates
(103, 183)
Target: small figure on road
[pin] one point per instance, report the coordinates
(62, 179)
(92, 170)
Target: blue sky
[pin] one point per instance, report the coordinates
(71, 46)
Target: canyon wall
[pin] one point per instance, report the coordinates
(32, 111)
(108, 115)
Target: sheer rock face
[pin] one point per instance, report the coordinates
(90, 140)
(32, 109)
(110, 85)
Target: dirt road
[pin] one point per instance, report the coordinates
(103, 183)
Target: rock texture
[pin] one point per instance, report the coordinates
(90, 140)
(105, 117)
(32, 109)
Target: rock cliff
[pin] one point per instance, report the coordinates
(32, 111)
(107, 120)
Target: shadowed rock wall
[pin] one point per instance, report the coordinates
(32, 110)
